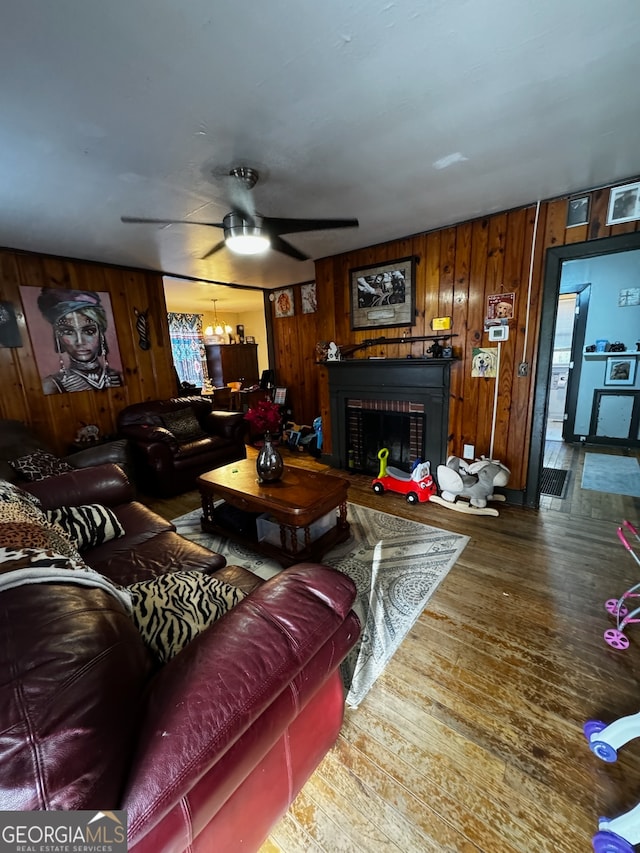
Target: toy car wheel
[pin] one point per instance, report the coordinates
(412, 498)
(593, 727)
(378, 488)
(609, 842)
(603, 750)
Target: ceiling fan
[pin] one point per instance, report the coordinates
(246, 231)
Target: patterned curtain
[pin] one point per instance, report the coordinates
(187, 347)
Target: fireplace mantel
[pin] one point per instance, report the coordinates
(417, 380)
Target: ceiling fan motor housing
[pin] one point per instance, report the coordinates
(243, 237)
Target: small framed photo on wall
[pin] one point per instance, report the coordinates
(578, 211)
(308, 297)
(620, 371)
(624, 204)
(283, 300)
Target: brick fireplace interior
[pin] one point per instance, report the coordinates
(397, 425)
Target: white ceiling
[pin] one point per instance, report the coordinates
(407, 115)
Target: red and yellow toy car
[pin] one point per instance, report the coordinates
(418, 486)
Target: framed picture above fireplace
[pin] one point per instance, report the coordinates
(383, 295)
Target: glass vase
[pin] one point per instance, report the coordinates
(269, 464)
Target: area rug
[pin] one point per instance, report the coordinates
(617, 475)
(396, 565)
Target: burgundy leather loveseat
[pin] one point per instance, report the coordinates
(206, 752)
(175, 440)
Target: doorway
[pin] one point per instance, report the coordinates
(555, 258)
(566, 360)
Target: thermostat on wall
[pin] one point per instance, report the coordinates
(498, 333)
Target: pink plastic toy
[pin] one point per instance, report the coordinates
(617, 607)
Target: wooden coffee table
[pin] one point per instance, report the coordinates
(296, 501)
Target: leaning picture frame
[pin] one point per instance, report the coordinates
(624, 204)
(383, 295)
(620, 370)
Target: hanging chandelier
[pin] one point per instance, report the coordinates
(220, 328)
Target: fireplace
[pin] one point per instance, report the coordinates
(399, 404)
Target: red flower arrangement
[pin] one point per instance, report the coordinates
(265, 417)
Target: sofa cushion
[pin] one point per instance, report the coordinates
(88, 525)
(183, 424)
(171, 609)
(39, 465)
(127, 562)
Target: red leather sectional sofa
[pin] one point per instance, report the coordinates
(204, 753)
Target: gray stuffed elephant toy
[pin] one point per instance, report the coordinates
(475, 481)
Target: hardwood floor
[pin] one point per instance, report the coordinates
(471, 741)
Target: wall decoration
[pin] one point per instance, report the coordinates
(441, 324)
(284, 302)
(308, 296)
(628, 297)
(74, 339)
(484, 362)
(383, 295)
(624, 204)
(500, 306)
(9, 331)
(142, 327)
(578, 211)
(620, 371)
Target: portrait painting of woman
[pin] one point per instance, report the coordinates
(73, 337)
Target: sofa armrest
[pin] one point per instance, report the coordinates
(99, 454)
(144, 434)
(102, 484)
(209, 695)
(231, 425)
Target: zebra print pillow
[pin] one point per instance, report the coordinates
(170, 610)
(88, 525)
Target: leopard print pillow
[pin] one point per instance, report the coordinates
(39, 465)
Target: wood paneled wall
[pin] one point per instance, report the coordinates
(458, 267)
(147, 374)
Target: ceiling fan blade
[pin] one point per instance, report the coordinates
(281, 245)
(276, 225)
(170, 221)
(213, 250)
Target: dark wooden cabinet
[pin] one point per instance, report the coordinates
(232, 363)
